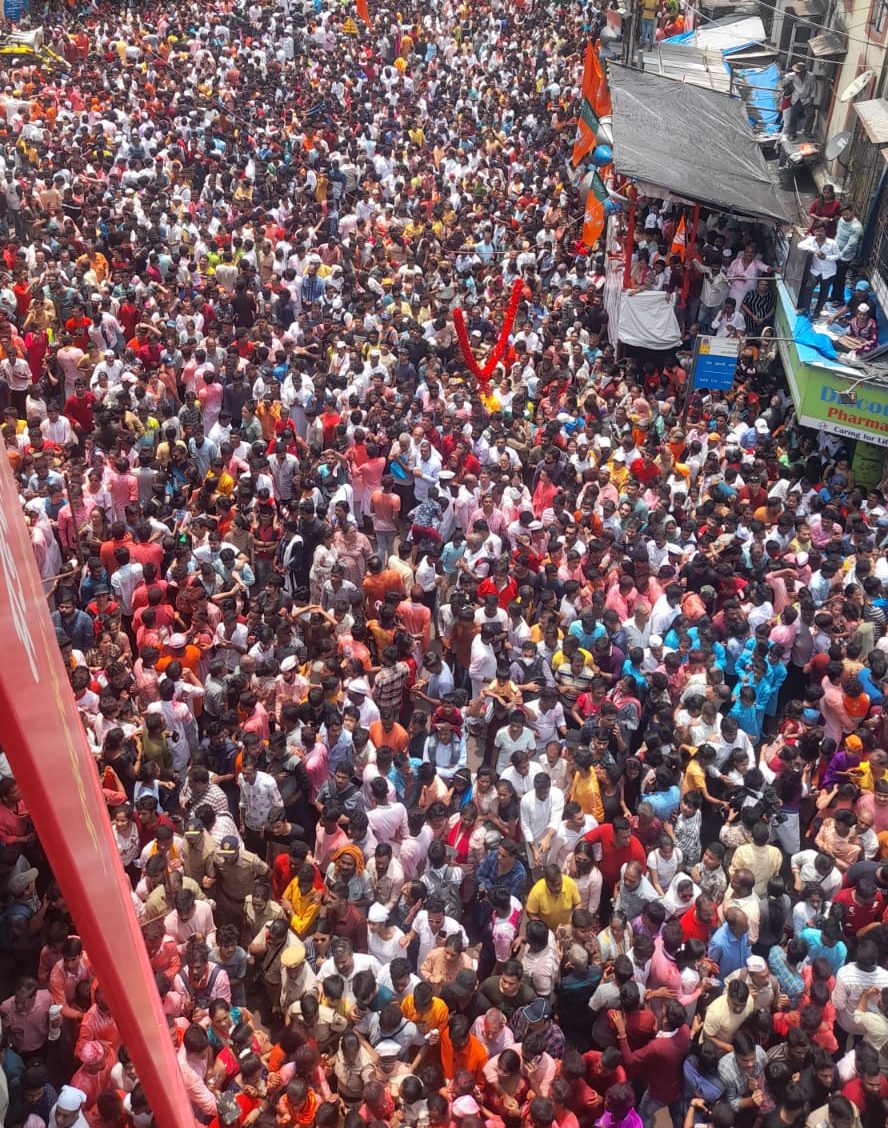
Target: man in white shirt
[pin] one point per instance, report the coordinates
(15, 372)
(515, 736)
(56, 428)
(855, 978)
(388, 820)
(574, 824)
(666, 610)
(431, 925)
(347, 963)
(483, 659)
(821, 269)
(546, 717)
(540, 815)
(729, 321)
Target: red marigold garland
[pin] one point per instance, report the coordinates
(502, 343)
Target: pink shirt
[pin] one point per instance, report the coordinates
(200, 922)
(194, 1072)
(124, 491)
(316, 766)
(28, 1029)
(389, 824)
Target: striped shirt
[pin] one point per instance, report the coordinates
(790, 981)
(851, 982)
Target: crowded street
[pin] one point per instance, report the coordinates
(477, 636)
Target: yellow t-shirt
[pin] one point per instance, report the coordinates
(558, 658)
(551, 909)
(694, 778)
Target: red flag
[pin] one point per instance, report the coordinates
(43, 737)
(364, 12)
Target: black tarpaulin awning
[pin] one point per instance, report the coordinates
(690, 142)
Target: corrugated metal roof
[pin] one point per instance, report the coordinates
(873, 116)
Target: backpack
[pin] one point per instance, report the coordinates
(16, 909)
(202, 997)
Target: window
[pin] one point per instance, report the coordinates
(878, 256)
(880, 16)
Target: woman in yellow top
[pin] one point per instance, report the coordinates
(694, 778)
(303, 902)
(584, 788)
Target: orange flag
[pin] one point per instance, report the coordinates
(595, 87)
(679, 239)
(590, 77)
(593, 220)
(364, 12)
(587, 128)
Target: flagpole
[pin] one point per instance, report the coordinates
(630, 247)
(686, 281)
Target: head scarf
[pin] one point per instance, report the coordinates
(353, 852)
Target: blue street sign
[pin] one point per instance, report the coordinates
(716, 363)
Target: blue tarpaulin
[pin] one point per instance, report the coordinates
(813, 347)
(764, 94)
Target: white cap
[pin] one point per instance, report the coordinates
(359, 685)
(656, 640)
(71, 1099)
(377, 914)
(289, 663)
(756, 964)
(388, 1047)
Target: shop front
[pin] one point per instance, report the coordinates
(830, 396)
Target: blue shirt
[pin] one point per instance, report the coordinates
(869, 686)
(836, 957)
(729, 951)
(664, 803)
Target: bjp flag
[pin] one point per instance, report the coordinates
(595, 87)
(593, 213)
(593, 221)
(679, 239)
(587, 131)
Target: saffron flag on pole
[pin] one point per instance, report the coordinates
(364, 12)
(593, 221)
(596, 90)
(53, 766)
(679, 239)
(587, 130)
(593, 209)
(590, 78)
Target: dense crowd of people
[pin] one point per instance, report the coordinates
(503, 754)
